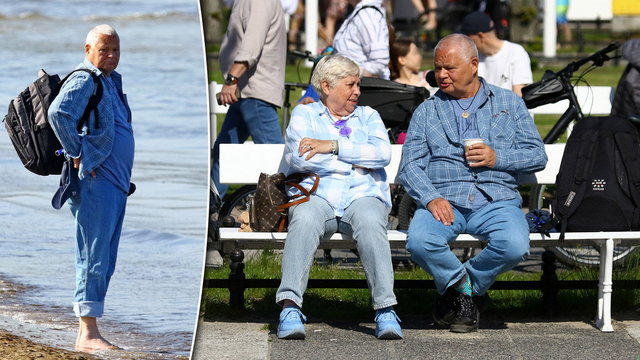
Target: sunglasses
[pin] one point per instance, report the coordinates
(344, 129)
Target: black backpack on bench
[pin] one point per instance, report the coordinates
(598, 185)
(27, 122)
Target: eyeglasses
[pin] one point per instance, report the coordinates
(344, 129)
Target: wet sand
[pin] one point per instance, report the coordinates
(19, 348)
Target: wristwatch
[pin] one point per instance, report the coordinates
(230, 80)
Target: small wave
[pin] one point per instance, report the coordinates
(146, 235)
(162, 15)
(29, 15)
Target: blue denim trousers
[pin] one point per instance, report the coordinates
(98, 209)
(365, 219)
(502, 223)
(247, 117)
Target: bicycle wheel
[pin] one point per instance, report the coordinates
(237, 202)
(589, 256)
(406, 209)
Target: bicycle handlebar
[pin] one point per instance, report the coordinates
(303, 54)
(598, 58)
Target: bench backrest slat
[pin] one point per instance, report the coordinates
(243, 163)
(594, 100)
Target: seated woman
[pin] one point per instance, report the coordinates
(347, 146)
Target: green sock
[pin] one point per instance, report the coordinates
(464, 286)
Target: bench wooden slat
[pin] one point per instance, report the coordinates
(243, 163)
(275, 240)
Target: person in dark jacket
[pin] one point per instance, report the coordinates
(627, 99)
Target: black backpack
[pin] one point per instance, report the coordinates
(28, 126)
(598, 185)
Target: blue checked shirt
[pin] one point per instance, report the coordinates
(92, 146)
(340, 182)
(433, 163)
(364, 38)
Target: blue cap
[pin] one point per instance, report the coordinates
(68, 185)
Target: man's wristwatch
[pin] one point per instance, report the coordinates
(230, 80)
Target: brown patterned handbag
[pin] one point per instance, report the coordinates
(270, 204)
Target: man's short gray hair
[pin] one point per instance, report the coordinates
(333, 68)
(466, 45)
(96, 31)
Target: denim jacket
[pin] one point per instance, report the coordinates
(433, 163)
(93, 145)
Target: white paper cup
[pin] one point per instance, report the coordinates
(468, 143)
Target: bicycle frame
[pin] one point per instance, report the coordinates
(573, 112)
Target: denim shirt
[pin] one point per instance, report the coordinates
(433, 163)
(367, 147)
(93, 145)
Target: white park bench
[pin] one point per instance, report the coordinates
(243, 163)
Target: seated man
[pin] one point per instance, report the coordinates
(501, 63)
(473, 190)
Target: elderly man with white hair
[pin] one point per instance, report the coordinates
(347, 146)
(102, 155)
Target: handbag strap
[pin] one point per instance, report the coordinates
(294, 180)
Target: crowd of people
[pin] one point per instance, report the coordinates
(475, 86)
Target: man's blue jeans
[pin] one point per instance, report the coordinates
(247, 117)
(98, 210)
(502, 223)
(365, 219)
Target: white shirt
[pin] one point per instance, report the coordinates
(364, 38)
(509, 66)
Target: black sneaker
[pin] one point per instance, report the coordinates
(467, 316)
(482, 302)
(444, 310)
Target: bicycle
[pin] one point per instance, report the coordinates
(553, 87)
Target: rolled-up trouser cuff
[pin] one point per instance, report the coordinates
(88, 308)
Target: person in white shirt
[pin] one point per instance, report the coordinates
(502, 63)
(364, 38)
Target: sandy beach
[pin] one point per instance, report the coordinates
(18, 348)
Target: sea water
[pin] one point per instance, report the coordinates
(151, 307)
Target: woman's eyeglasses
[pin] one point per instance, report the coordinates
(344, 129)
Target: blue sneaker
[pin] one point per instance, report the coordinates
(388, 324)
(291, 324)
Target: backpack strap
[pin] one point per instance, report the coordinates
(94, 99)
(627, 145)
(586, 152)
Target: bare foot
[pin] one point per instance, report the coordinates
(91, 345)
(89, 338)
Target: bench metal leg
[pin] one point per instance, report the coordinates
(549, 284)
(236, 279)
(605, 286)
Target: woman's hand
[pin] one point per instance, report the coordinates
(314, 146)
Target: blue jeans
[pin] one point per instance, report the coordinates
(502, 223)
(247, 117)
(99, 210)
(365, 219)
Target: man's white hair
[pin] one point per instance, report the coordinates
(467, 48)
(96, 31)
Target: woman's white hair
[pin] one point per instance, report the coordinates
(96, 31)
(333, 68)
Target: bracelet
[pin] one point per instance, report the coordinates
(334, 147)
